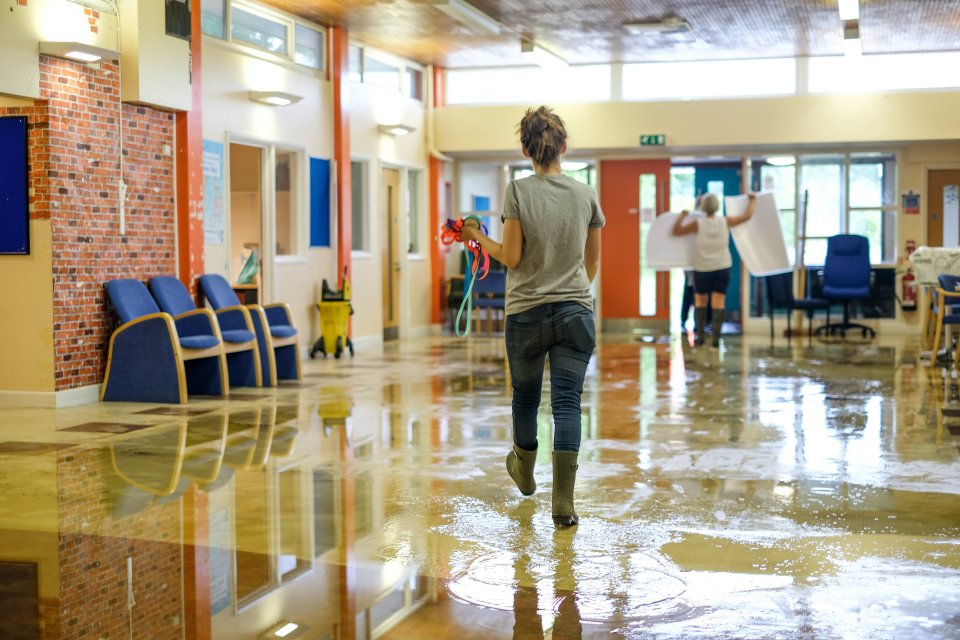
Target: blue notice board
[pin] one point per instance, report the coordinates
(14, 204)
(319, 202)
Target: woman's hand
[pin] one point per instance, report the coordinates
(470, 231)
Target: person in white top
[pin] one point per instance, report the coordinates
(712, 261)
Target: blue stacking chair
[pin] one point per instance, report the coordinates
(236, 329)
(490, 294)
(846, 277)
(273, 325)
(780, 295)
(945, 309)
(154, 358)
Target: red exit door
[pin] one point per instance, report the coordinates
(632, 194)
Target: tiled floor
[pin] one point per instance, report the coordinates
(747, 492)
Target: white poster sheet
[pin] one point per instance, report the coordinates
(665, 250)
(760, 239)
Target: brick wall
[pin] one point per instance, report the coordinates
(94, 546)
(75, 164)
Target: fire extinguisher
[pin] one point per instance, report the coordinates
(908, 283)
(908, 286)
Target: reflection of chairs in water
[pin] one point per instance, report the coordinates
(253, 437)
(160, 463)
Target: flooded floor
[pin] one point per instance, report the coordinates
(746, 492)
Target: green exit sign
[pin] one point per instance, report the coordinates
(654, 140)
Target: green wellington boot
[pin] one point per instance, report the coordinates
(717, 325)
(700, 317)
(564, 477)
(520, 467)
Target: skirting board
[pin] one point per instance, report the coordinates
(50, 399)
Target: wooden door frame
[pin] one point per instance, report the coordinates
(624, 225)
(394, 239)
(926, 196)
(266, 272)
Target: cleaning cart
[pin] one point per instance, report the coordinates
(335, 312)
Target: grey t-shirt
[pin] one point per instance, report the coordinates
(555, 212)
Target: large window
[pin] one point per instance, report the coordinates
(251, 27)
(257, 26)
(358, 204)
(712, 79)
(528, 85)
(839, 193)
(846, 74)
(367, 66)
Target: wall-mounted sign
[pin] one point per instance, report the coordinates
(653, 140)
(910, 202)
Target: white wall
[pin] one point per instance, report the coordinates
(370, 107)
(229, 74)
(25, 26)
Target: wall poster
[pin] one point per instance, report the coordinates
(213, 202)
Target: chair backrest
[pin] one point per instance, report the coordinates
(848, 261)
(949, 283)
(780, 290)
(495, 284)
(131, 299)
(218, 291)
(171, 295)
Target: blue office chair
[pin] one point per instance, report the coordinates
(846, 277)
(780, 296)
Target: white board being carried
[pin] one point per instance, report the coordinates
(759, 240)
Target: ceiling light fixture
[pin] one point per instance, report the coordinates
(782, 161)
(851, 39)
(849, 9)
(275, 98)
(396, 129)
(469, 15)
(538, 55)
(77, 51)
(670, 24)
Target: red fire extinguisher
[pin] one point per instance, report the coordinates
(908, 284)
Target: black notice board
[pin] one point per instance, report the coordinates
(14, 205)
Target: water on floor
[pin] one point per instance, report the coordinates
(752, 491)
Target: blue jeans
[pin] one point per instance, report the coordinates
(566, 332)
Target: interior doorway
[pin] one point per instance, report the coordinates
(943, 214)
(246, 221)
(632, 194)
(390, 215)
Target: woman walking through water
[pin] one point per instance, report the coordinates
(551, 248)
(712, 260)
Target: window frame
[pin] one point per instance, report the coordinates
(364, 189)
(845, 160)
(403, 68)
(291, 23)
(299, 211)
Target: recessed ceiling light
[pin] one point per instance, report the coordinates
(849, 9)
(469, 15)
(670, 24)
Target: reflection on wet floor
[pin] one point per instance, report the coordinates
(746, 492)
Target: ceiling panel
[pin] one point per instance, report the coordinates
(591, 31)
